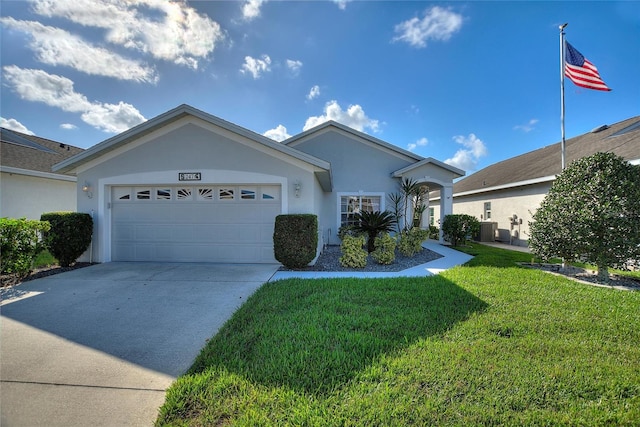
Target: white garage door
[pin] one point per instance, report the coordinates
(217, 223)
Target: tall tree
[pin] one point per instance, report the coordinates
(591, 212)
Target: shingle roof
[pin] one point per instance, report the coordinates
(31, 152)
(622, 139)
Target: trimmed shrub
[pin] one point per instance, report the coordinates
(457, 229)
(385, 252)
(353, 254)
(69, 236)
(20, 244)
(434, 232)
(349, 230)
(295, 239)
(410, 242)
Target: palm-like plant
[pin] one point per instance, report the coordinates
(374, 223)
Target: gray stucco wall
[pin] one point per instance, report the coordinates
(357, 167)
(191, 148)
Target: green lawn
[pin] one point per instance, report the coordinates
(486, 343)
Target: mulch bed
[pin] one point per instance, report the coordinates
(587, 276)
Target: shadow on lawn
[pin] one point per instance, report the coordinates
(315, 336)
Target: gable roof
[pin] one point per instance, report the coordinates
(184, 110)
(452, 169)
(23, 153)
(301, 137)
(622, 139)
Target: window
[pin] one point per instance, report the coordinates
(143, 194)
(226, 193)
(432, 216)
(248, 193)
(163, 194)
(351, 205)
(183, 194)
(205, 193)
(122, 193)
(487, 211)
(270, 192)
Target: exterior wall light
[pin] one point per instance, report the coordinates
(87, 189)
(297, 186)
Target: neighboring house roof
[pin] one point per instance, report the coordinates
(182, 111)
(622, 139)
(32, 155)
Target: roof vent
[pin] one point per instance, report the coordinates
(600, 128)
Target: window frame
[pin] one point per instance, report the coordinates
(360, 195)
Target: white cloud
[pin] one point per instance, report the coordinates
(467, 158)
(313, 93)
(68, 126)
(527, 127)
(279, 133)
(58, 91)
(173, 31)
(438, 24)
(342, 4)
(13, 124)
(251, 9)
(294, 66)
(256, 66)
(55, 46)
(354, 117)
(419, 143)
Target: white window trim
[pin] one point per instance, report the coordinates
(340, 195)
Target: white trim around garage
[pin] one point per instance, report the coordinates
(208, 177)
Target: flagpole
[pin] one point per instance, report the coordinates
(562, 144)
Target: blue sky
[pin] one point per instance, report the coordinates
(469, 83)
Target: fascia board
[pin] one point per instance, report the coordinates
(163, 120)
(38, 174)
(428, 160)
(533, 181)
(352, 133)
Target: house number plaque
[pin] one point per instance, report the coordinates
(189, 176)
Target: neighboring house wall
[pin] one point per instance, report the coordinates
(24, 195)
(520, 203)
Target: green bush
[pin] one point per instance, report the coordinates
(20, 243)
(353, 254)
(410, 242)
(385, 252)
(457, 229)
(295, 239)
(69, 236)
(350, 230)
(434, 232)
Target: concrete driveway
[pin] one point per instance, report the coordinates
(100, 345)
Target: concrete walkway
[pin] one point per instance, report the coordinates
(450, 258)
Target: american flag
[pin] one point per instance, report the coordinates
(580, 71)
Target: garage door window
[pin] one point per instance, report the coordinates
(247, 193)
(163, 194)
(226, 193)
(215, 194)
(270, 192)
(143, 194)
(183, 194)
(205, 194)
